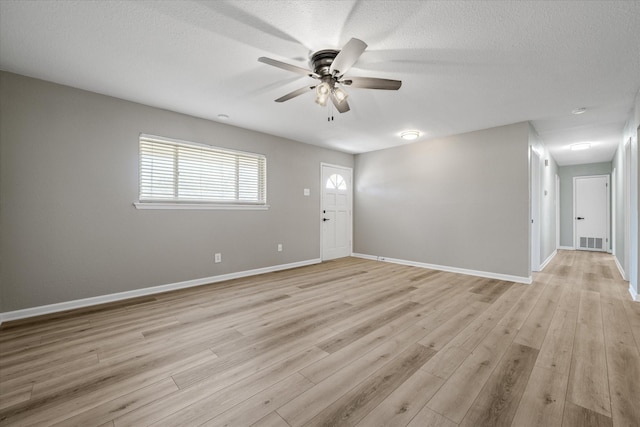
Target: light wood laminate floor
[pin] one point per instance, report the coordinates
(342, 343)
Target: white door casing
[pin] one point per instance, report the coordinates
(535, 210)
(335, 215)
(557, 211)
(614, 209)
(591, 213)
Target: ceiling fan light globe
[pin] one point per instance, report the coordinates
(340, 94)
(323, 89)
(322, 100)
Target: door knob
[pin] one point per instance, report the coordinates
(326, 219)
(580, 217)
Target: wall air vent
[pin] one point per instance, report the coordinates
(591, 243)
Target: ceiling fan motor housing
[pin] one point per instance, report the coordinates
(321, 61)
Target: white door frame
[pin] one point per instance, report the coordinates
(614, 210)
(626, 171)
(576, 244)
(348, 171)
(557, 211)
(535, 210)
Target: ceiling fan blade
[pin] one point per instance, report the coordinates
(287, 67)
(293, 94)
(347, 56)
(372, 83)
(343, 106)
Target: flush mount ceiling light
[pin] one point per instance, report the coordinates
(223, 117)
(577, 111)
(410, 135)
(580, 146)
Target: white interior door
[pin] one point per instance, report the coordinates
(591, 212)
(336, 212)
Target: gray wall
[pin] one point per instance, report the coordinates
(567, 173)
(460, 201)
(68, 177)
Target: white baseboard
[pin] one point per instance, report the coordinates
(634, 295)
(87, 302)
(548, 260)
(620, 269)
(487, 274)
(567, 248)
(365, 256)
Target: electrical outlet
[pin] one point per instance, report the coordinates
(218, 258)
(279, 247)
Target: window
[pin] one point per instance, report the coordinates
(179, 174)
(336, 182)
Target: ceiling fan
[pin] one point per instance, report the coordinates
(329, 67)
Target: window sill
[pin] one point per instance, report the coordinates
(199, 206)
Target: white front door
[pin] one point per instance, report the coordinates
(336, 211)
(591, 212)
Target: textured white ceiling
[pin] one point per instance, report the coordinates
(465, 65)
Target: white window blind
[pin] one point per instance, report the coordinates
(183, 172)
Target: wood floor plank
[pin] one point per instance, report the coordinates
(261, 404)
(283, 332)
(535, 328)
(427, 418)
(446, 362)
(337, 360)
(363, 398)
(577, 416)
(542, 403)
(491, 289)
(401, 406)
(112, 409)
(65, 402)
(588, 378)
(215, 395)
(306, 406)
(118, 371)
(255, 357)
(469, 338)
(498, 401)
(439, 337)
(633, 314)
(557, 347)
(284, 319)
(45, 372)
(456, 396)
(271, 420)
(15, 395)
(623, 363)
(358, 331)
(617, 329)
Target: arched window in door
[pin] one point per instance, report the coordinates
(336, 182)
